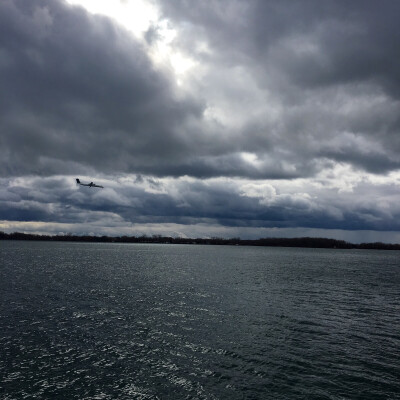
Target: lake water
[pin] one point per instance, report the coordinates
(151, 321)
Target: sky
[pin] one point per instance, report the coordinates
(219, 118)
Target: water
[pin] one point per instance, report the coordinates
(147, 321)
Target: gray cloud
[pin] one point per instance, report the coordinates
(190, 203)
(81, 94)
(305, 95)
(78, 89)
(314, 43)
(330, 68)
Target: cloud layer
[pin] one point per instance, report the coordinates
(240, 204)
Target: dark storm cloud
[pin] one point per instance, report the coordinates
(353, 41)
(307, 53)
(81, 94)
(77, 90)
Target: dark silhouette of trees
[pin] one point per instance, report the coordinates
(307, 242)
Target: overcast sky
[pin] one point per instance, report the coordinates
(247, 118)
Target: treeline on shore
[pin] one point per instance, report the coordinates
(309, 242)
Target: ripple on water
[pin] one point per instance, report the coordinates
(94, 321)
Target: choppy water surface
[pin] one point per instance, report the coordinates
(120, 321)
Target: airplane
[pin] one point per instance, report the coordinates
(91, 184)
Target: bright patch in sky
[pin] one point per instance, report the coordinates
(137, 16)
(251, 159)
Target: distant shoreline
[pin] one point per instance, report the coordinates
(304, 242)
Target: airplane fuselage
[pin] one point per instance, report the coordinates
(91, 184)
